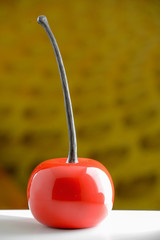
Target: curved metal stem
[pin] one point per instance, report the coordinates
(72, 156)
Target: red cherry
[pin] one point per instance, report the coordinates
(69, 192)
(69, 195)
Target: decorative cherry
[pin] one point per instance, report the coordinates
(69, 192)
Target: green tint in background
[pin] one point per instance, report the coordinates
(112, 58)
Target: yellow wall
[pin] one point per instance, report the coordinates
(111, 52)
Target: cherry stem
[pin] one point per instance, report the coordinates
(72, 156)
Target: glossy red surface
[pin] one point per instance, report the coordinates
(70, 195)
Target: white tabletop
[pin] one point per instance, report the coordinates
(120, 225)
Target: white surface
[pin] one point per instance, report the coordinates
(120, 225)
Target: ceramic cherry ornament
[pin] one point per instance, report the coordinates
(69, 192)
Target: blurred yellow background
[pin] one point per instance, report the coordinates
(111, 52)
